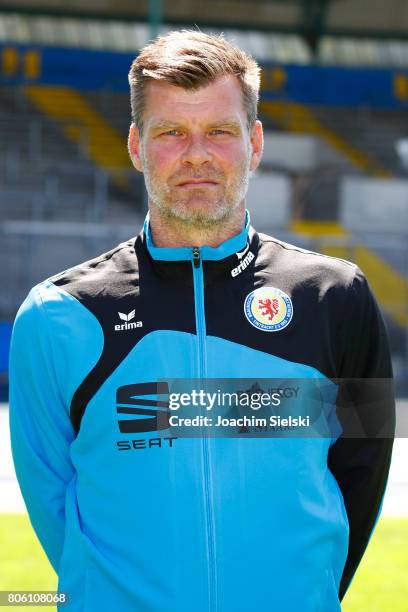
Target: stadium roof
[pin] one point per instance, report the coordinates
(312, 19)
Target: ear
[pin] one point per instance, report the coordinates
(134, 144)
(256, 144)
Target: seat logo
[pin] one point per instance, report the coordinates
(268, 309)
(143, 414)
(128, 324)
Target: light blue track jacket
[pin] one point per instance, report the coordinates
(141, 520)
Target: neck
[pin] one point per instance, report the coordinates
(173, 233)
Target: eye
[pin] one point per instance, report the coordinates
(172, 133)
(219, 131)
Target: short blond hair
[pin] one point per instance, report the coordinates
(192, 59)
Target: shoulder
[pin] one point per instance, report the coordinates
(87, 278)
(64, 293)
(307, 266)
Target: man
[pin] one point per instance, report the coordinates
(133, 520)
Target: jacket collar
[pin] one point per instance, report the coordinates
(225, 249)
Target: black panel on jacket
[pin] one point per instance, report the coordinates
(119, 281)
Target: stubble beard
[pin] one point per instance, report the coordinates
(177, 211)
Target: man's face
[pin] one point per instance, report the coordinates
(196, 152)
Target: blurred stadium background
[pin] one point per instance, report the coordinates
(334, 103)
(334, 177)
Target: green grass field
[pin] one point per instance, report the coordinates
(381, 584)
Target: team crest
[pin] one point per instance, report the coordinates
(268, 308)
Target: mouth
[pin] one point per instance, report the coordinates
(197, 183)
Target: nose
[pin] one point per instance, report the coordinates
(196, 152)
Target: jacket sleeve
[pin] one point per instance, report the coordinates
(360, 458)
(40, 428)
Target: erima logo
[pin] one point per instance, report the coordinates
(128, 324)
(243, 264)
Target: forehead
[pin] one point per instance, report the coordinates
(166, 102)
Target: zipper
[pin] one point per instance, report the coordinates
(198, 280)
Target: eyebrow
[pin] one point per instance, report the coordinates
(231, 123)
(165, 125)
(168, 124)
